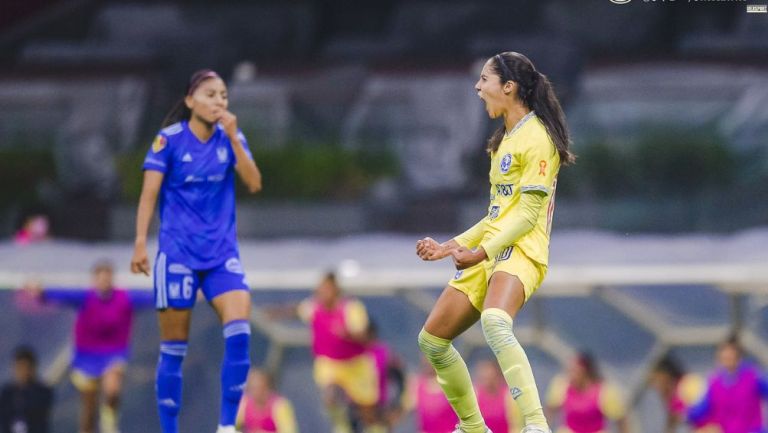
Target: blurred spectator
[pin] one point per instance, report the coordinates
(734, 395)
(34, 229)
(25, 403)
(434, 413)
(262, 410)
(584, 400)
(344, 368)
(390, 377)
(678, 390)
(499, 410)
(102, 336)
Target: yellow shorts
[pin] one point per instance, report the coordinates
(356, 376)
(474, 281)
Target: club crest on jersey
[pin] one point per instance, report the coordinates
(493, 213)
(458, 275)
(159, 143)
(506, 163)
(221, 152)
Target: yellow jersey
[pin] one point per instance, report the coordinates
(526, 161)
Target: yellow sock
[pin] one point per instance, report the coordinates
(497, 327)
(339, 419)
(453, 377)
(107, 419)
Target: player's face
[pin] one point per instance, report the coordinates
(492, 91)
(728, 357)
(24, 371)
(258, 385)
(102, 280)
(661, 382)
(487, 373)
(576, 372)
(209, 101)
(327, 292)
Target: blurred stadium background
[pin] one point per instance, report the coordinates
(364, 121)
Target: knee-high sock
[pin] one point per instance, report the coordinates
(234, 368)
(168, 384)
(497, 327)
(453, 377)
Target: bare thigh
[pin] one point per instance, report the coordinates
(452, 315)
(112, 381)
(233, 305)
(505, 291)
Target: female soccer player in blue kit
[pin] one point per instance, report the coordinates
(191, 167)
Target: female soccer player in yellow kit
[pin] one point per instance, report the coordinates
(503, 258)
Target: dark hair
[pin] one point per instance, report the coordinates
(734, 342)
(25, 353)
(329, 276)
(180, 111)
(102, 265)
(587, 361)
(669, 365)
(536, 92)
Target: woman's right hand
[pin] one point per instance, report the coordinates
(139, 261)
(429, 250)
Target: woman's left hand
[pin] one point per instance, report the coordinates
(228, 121)
(465, 258)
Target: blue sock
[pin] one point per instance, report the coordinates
(168, 384)
(234, 369)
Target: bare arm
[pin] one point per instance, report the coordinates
(153, 180)
(244, 166)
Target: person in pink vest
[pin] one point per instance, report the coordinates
(343, 367)
(735, 393)
(102, 337)
(584, 400)
(262, 410)
(678, 390)
(496, 403)
(390, 376)
(425, 397)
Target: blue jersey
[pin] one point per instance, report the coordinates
(197, 198)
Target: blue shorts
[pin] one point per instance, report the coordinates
(176, 284)
(94, 365)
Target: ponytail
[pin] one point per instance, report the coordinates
(544, 102)
(179, 112)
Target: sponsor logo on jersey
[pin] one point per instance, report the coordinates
(233, 265)
(504, 255)
(493, 212)
(215, 178)
(542, 168)
(193, 178)
(457, 275)
(506, 163)
(221, 152)
(159, 143)
(516, 392)
(505, 189)
(186, 158)
(178, 268)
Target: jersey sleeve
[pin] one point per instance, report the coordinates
(306, 310)
(244, 141)
(612, 402)
(65, 295)
(284, 416)
(556, 392)
(159, 155)
(539, 165)
(691, 389)
(473, 235)
(514, 227)
(355, 317)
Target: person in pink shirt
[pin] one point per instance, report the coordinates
(343, 367)
(390, 376)
(262, 410)
(735, 393)
(102, 337)
(584, 400)
(678, 390)
(496, 404)
(434, 413)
